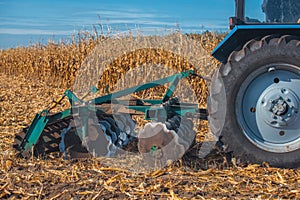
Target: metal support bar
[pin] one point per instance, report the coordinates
(109, 97)
(72, 97)
(171, 89)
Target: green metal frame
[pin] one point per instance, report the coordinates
(153, 110)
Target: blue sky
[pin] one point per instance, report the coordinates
(24, 22)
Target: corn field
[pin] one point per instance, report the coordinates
(31, 77)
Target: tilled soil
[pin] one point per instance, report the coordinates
(214, 177)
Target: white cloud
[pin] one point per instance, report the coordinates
(34, 31)
(121, 13)
(21, 22)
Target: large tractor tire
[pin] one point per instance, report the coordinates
(255, 102)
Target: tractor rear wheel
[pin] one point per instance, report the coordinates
(255, 102)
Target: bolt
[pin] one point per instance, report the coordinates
(273, 122)
(287, 99)
(281, 133)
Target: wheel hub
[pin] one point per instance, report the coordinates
(268, 106)
(279, 107)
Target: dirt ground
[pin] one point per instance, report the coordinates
(56, 178)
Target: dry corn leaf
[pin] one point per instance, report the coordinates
(280, 179)
(85, 192)
(113, 179)
(158, 173)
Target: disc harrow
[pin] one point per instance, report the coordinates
(104, 126)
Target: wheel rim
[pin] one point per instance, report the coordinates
(267, 108)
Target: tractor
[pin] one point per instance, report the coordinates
(253, 105)
(259, 78)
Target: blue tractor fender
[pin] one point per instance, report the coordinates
(241, 34)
